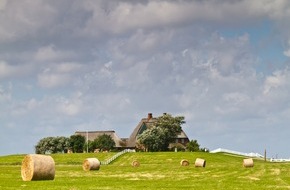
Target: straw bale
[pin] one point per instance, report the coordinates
(91, 164)
(200, 162)
(248, 162)
(135, 163)
(37, 167)
(184, 163)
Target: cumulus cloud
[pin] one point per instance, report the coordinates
(103, 16)
(68, 67)
(17, 71)
(6, 70)
(273, 82)
(21, 19)
(50, 54)
(277, 82)
(3, 4)
(56, 75)
(70, 109)
(287, 53)
(147, 14)
(50, 80)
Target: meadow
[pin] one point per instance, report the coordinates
(158, 170)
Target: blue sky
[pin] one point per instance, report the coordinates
(103, 65)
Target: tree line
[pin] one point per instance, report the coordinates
(157, 137)
(74, 143)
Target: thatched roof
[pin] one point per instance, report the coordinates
(92, 135)
(144, 124)
(182, 135)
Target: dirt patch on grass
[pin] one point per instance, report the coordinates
(139, 176)
(74, 174)
(275, 171)
(250, 178)
(134, 179)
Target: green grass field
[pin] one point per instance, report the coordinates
(157, 171)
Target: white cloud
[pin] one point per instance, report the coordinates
(57, 75)
(272, 82)
(102, 16)
(3, 4)
(50, 54)
(26, 107)
(46, 53)
(172, 13)
(70, 109)
(21, 19)
(68, 67)
(287, 53)
(275, 9)
(236, 98)
(8, 70)
(51, 80)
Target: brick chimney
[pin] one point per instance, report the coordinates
(149, 116)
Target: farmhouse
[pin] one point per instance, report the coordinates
(146, 123)
(131, 142)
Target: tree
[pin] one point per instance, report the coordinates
(52, 145)
(152, 139)
(192, 146)
(43, 145)
(162, 133)
(104, 142)
(171, 127)
(77, 143)
(90, 145)
(62, 144)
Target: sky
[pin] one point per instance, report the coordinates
(71, 65)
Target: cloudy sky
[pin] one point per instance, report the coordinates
(103, 65)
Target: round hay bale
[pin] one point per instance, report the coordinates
(91, 164)
(135, 163)
(200, 162)
(184, 163)
(249, 162)
(37, 167)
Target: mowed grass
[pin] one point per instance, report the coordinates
(160, 170)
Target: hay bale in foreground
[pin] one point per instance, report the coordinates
(37, 167)
(91, 164)
(135, 163)
(200, 162)
(249, 162)
(184, 163)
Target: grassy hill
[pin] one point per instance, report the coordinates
(160, 170)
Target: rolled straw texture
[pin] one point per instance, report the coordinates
(91, 164)
(184, 163)
(249, 162)
(135, 163)
(200, 162)
(37, 167)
